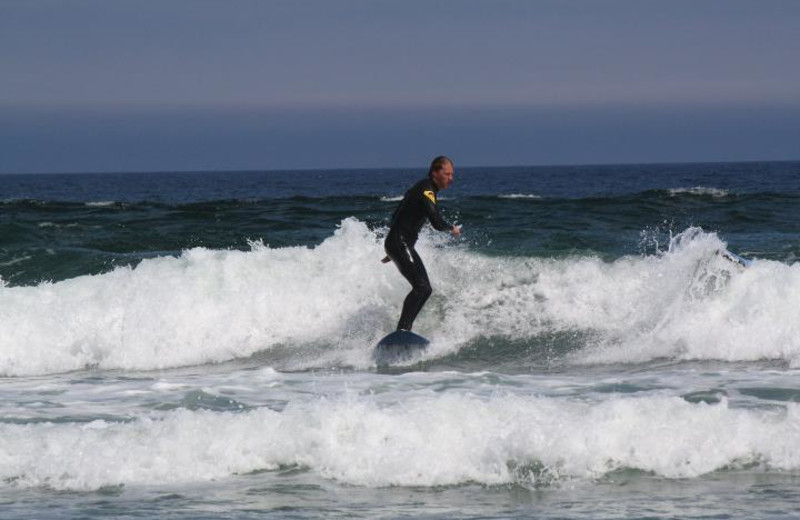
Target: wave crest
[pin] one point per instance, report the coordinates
(428, 440)
(327, 305)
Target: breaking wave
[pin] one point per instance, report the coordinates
(326, 306)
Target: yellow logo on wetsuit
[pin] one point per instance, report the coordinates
(430, 195)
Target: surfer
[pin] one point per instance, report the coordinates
(418, 205)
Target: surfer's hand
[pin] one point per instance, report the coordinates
(456, 231)
(385, 260)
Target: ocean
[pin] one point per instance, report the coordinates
(199, 345)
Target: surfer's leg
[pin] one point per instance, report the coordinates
(420, 292)
(411, 267)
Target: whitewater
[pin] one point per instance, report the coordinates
(325, 306)
(593, 354)
(331, 302)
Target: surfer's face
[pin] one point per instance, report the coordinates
(443, 177)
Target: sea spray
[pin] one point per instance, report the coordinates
(704, 306)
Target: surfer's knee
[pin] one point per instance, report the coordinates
(423, 289)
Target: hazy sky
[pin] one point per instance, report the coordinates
(116, 85)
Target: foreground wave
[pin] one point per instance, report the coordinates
(326, 306)
(426, 440)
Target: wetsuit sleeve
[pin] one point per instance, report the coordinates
(434, 217)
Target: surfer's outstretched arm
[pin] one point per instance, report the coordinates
(429, 201)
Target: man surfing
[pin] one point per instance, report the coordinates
(418, 205)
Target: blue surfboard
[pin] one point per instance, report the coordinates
(399, 346)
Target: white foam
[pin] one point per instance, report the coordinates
(699, 305)
(329, 304)
(205, 306)
(16, 260)
(700, 190)
(687, 303)
(520, 196)
(427, 439)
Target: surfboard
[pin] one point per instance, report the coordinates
(399, 346)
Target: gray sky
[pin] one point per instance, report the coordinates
(117, 85)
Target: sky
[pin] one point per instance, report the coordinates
(187, 85)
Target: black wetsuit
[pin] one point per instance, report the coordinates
(419, 205)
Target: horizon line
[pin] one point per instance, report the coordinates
(397, 168)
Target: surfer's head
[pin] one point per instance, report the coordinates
(441, 172)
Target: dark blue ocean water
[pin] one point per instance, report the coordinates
(199, 345)
(54, 227)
